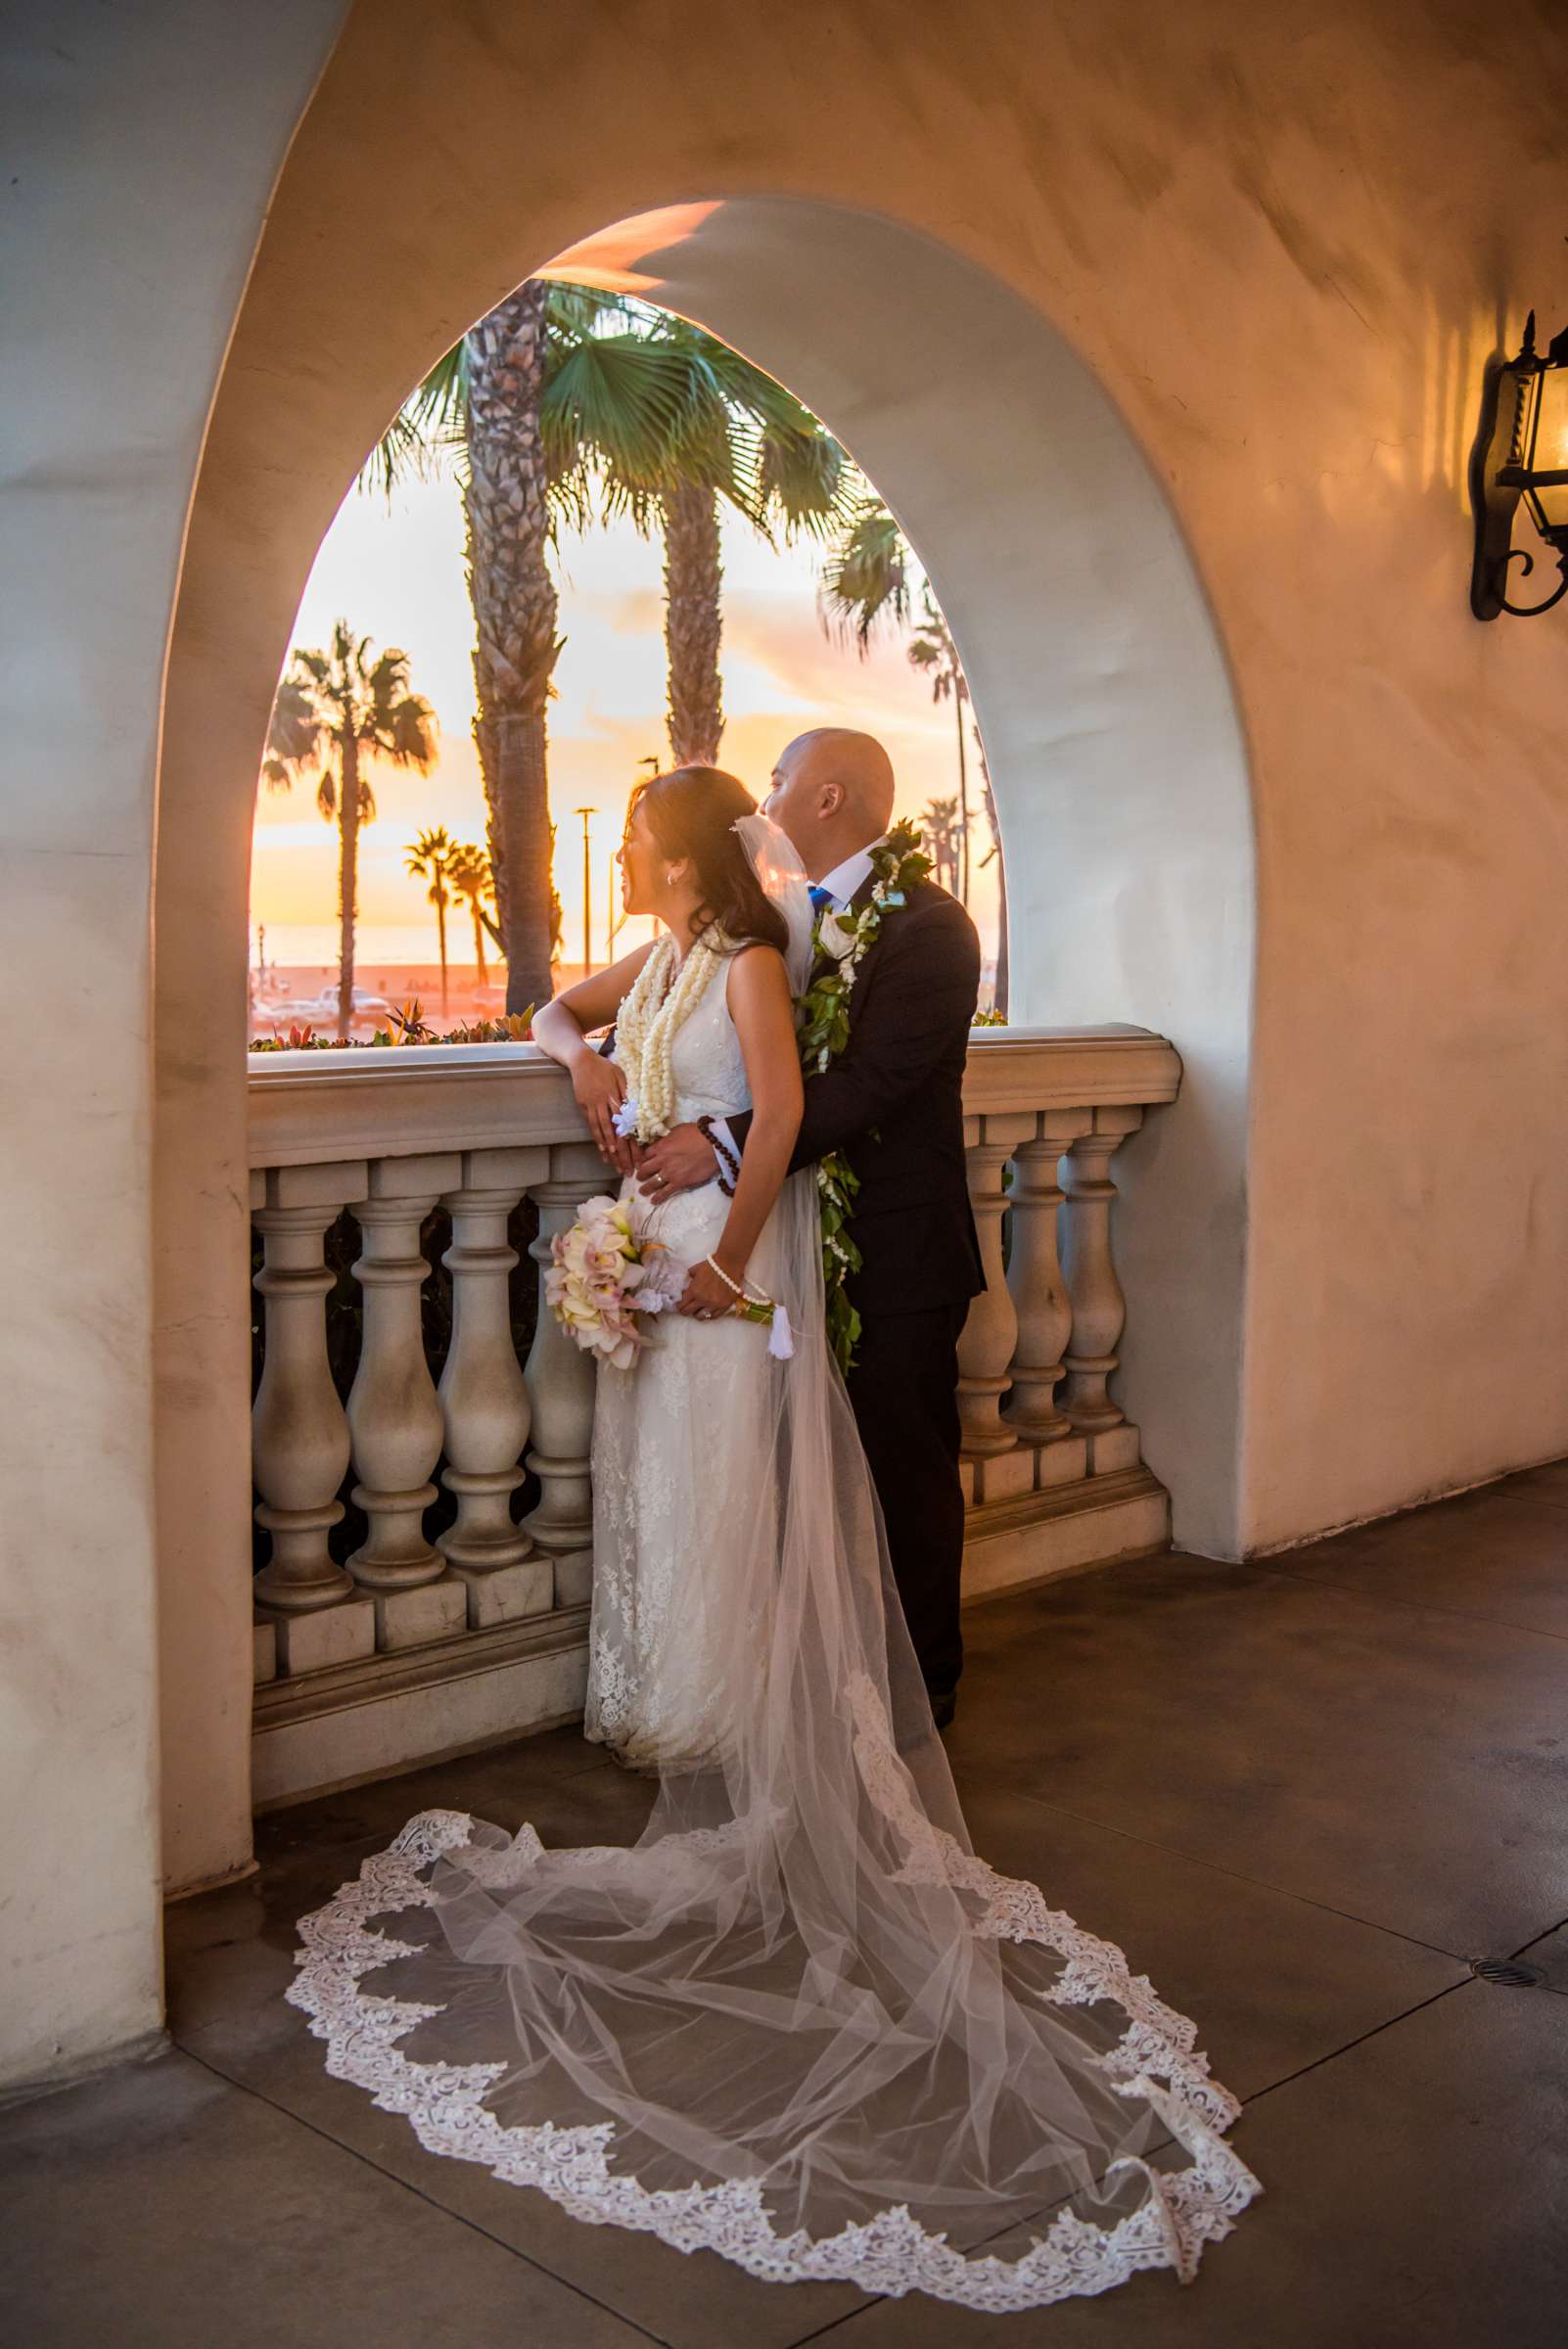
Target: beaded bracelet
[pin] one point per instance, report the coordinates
(737, 1288)
(726, 1157)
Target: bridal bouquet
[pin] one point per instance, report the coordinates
(603, 1272)
(606, 1268)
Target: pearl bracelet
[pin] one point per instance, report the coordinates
(737, 1288)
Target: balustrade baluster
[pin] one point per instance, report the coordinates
(559, 1374)
(1099, 1308)
(394, 1416)
(986, 1348)
(299, 1432)
(1034, 1277)
(484, 1396)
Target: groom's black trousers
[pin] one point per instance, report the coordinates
(903, 1388)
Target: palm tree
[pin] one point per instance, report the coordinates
(933, 649)
(744, 440)
(560, 417)
(469, 870)
(938, 825)
(332, 709)
(994, 853)
(866, 583)
(505, 499)
(429, 856)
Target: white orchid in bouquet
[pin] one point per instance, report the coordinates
(604, 1271)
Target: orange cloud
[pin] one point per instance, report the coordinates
(609, 259)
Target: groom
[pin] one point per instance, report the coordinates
(893, 1102)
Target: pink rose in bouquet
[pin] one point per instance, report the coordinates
(603, 1272)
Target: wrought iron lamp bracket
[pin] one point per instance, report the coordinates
(1521, 553)
(1502, 475)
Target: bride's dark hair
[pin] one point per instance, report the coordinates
(692, 812)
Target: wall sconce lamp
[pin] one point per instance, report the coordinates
(1521, 451)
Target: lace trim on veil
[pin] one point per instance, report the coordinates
(1155, 2060)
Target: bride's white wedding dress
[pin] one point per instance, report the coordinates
(681, 1471)
(800, 2023)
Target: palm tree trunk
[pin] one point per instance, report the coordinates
(693, 624)
(515, 617)
(348, 875)
(440, 933)
(1000, 996)
(963, 794)
(480, 972)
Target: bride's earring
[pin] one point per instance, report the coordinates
(670, 880)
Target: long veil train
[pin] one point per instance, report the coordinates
(799, 2022)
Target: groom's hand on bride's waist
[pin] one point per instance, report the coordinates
(682, 1159)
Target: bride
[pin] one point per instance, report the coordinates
(681, 1446)
(800, 2023)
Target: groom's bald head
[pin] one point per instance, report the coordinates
(832, 792)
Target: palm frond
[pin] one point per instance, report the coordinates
(434, 846)
(410, 739)
(806, 478)
(469, 870)
(399, 724)
(587, 309)
(428, 422)
(866, 580)
(616, 403)
(293, 734)
(753, 392)
(932, 648)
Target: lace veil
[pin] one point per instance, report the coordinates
(777, 861)
(799, 2022)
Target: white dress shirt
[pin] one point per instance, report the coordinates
(844, 879)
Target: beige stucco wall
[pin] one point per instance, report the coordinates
(1282, 242)
(139, 150)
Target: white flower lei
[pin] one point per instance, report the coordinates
(645, 1030)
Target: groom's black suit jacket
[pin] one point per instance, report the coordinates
(893, 1102)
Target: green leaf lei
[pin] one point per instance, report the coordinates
(822, 1022)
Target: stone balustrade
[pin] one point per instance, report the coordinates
(417, 1642)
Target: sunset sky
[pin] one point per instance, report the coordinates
(396, 574)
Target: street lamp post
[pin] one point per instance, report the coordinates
(587, 890)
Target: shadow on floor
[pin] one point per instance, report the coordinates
(1303, 1794)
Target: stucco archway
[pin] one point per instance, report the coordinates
(1113, 741)
(1284, 255)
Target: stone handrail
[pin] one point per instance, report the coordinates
(310, 1107)
(1051, 1468)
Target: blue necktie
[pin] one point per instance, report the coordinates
(821, 899)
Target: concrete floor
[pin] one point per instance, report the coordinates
(1302, 1794)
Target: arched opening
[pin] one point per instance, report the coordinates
(691, 594)
(1113, 741)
